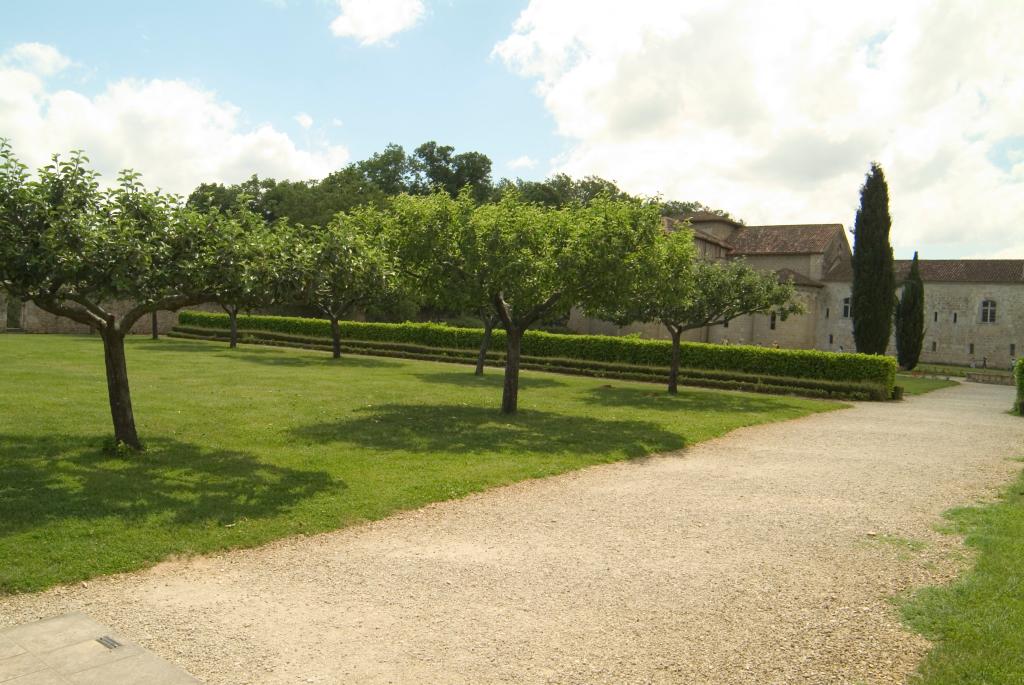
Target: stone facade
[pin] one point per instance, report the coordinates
(954, 330)
(817, 259)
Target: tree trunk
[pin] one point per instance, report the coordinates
(673, 371)
(510, 397)
(233, 319)
(156, 327)
(336, 337)
(117, 389)
(485, 343)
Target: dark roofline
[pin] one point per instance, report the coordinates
(1001, 271)
(832, 228)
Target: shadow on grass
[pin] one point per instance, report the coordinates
(46, 479)
(267, 354)
(474, 430)
(492, 378)
(657, 398)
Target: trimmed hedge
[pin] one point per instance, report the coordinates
(1018, 374)
(828, 366)
(692, 377)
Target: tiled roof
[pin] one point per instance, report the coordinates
(947, 270)
(965, 270)
(787, 275)
(798, 239)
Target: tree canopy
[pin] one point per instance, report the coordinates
(84, 253)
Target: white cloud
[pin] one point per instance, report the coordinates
(175, 134)
(522, 162)
(36, 58)
(304, 120)
(774, 111)
(373, 21)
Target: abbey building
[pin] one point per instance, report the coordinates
(974, 308)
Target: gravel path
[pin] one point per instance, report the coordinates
(767, 556)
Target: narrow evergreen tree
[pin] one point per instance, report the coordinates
(874, 285)
(910, 319)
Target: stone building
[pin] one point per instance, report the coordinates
(974, 309)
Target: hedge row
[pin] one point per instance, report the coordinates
(846, 368)
(700, 377)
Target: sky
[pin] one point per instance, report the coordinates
(771, 111)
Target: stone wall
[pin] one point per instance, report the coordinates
(3, 311)
(35, 320)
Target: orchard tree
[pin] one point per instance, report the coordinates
(910, 319)
(529, 262)
(874, 285)
(344, 266)
(246, 262)
(75, 250)
(437, 247)
(668, 283)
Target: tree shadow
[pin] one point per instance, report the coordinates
(463, 429)
(493, 378)
(51, 478)
(688, 399)
(269, 355)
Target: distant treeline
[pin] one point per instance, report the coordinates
(392, 172)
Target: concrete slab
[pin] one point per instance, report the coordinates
(76, 650)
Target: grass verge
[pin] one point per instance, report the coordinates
(254, 444)
(977, 622)
(919, 385)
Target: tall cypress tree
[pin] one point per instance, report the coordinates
(910, 319)
(874, 285)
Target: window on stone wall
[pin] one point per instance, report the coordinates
(954, 317)
(846, 308)
(935, 317)
(771, 321)
(970, 349)
(1013, 350)
(829, 338)
(725, 324)
(933, 345)
(988, 311)
(826, 312)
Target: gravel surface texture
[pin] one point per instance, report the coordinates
(770, 555)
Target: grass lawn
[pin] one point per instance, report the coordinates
(958, 371)
(258, 443)
(919, 385)
(978, 622)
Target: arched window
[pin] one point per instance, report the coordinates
(846, 308)
(988, 311)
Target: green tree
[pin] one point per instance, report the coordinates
(434, 240)
(75, 250)
(436, 167)
(561, 190)
(529, 262)
(246, 262)
(343, 266)
(669, 284)
(910, 319)
(874, 284)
